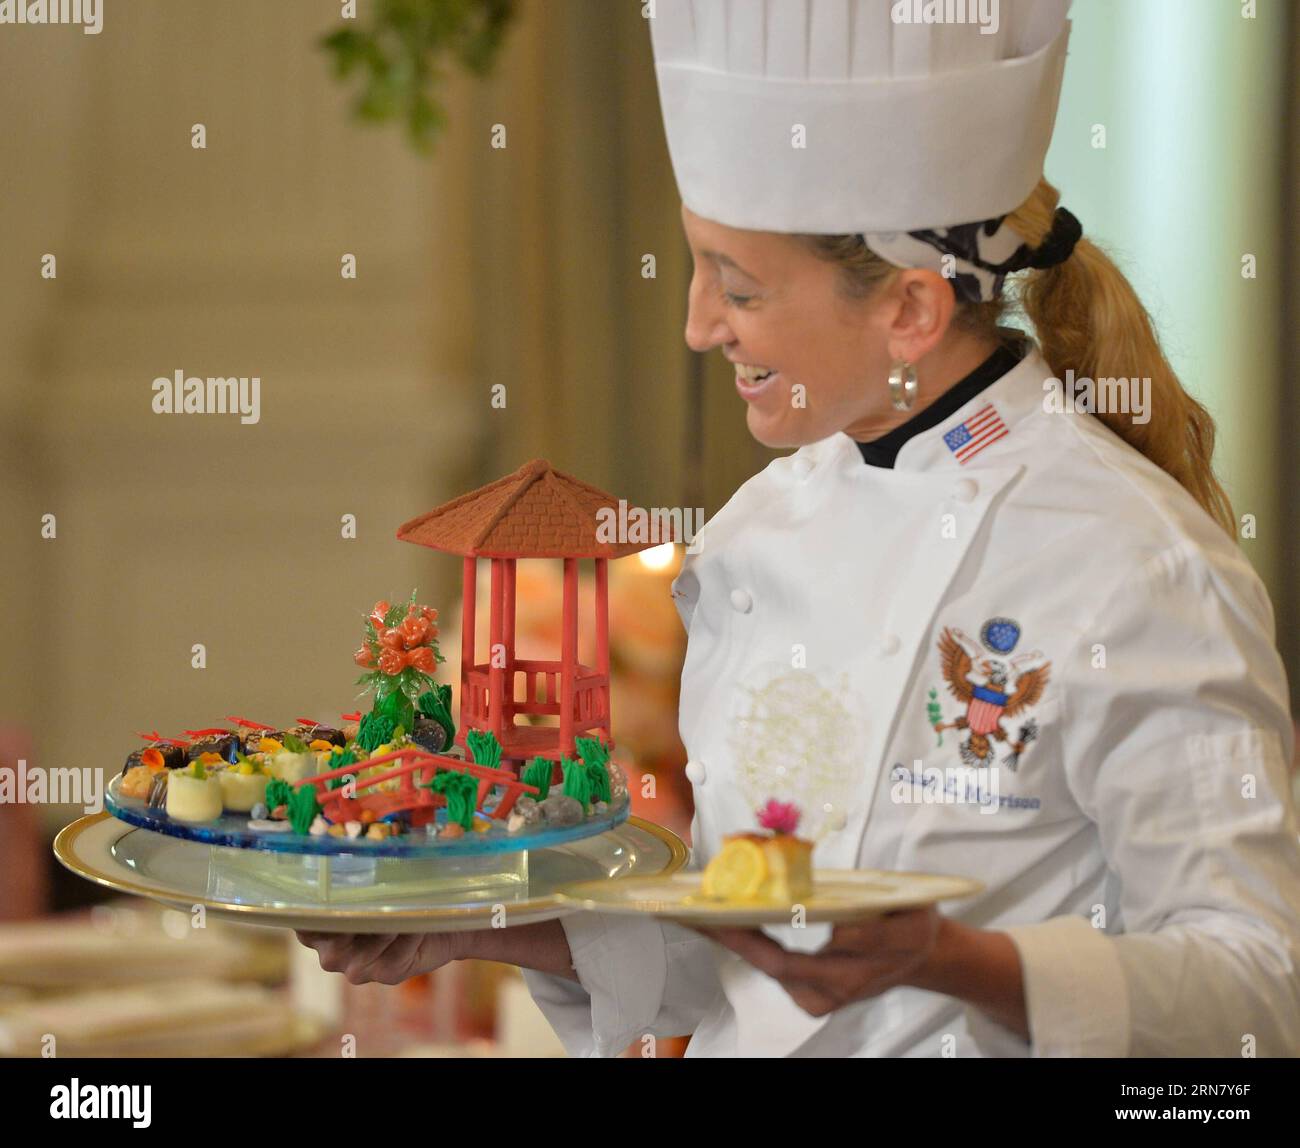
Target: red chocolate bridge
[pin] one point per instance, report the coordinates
(415, 768)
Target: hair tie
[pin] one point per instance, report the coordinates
(977, 257)
(1058, 244)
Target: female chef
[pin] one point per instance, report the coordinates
(1020, 622)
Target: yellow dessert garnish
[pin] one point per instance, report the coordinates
(270, 745)
(737, 873)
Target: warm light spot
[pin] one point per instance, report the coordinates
(658, 557)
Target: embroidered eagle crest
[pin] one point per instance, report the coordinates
(1004, 692)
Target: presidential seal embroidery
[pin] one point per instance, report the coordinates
(1005, 691)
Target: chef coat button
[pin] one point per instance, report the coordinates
(889, 645)
(802, 467)
(965, 490)
(695, 772)
(742, 601)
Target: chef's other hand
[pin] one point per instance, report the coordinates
(388, 958)
(860, 960)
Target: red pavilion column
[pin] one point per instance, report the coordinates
(602, 643)
(508, 632)
(568, 655)
(468, 598)
(496, 672)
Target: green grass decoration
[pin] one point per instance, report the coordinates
(436, 704)
(303, 808)
(375, 730)
(538, 773)
(484, 749)
(461, 791)
(278, 792)
(577, 781)
(338, 759)
(595, 756)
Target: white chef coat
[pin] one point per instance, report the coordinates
(1143, 854)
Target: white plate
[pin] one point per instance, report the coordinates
(178, 873)
(839, 895)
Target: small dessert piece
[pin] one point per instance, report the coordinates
(168, 756)
(251, 742)
(307, 734)
(250, 733)
(292, 767)
(264, 745)
(223, 745)
(138, 779)
(136, 782)
(773, 867)
(294, 761)
(193, 793)
(243, 785)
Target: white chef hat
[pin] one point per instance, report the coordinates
(859, 116)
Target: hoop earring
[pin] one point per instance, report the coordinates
(902, 385)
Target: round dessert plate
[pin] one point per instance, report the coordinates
(232, 830)
(838, 895)
(234, 884)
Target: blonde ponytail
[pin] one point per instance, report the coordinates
(1088, 319)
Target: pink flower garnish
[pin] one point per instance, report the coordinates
(779, 816)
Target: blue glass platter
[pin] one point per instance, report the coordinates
(231, 830)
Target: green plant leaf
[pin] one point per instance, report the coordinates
(394, 59)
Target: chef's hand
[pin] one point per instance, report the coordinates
(388, 958)
(391, 959)
(861, 960)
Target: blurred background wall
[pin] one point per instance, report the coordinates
(476, 266)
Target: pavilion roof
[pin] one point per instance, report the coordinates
(536, 512)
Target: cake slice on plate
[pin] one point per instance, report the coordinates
(773, 867)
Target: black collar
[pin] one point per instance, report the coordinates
(884, 450)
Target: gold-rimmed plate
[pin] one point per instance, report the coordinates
(179, 873)
(838, 896)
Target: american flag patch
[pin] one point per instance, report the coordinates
(967, 439)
